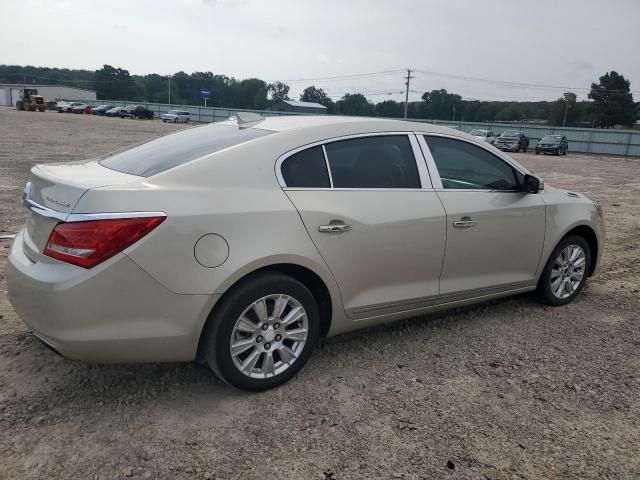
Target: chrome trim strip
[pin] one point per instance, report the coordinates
(434, 300)
(431, 164)
(423, 173)
(44, 211)
(326, 162)
(84, 217)
(340, 189)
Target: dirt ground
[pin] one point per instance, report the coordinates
(511, 389)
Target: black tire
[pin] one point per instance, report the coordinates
(175, 120)
(558, 152)
(220, 325)
(537, 152)
(544, 291)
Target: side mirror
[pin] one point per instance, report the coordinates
(532, 184)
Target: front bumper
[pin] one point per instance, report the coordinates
(112, 313)
(548, 149)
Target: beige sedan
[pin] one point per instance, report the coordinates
(243, 242)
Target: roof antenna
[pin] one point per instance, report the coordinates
(245, 118)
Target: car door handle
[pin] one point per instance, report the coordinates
(465, 223)
(337, 228)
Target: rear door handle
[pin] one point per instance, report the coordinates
(337, 228)
(465, 223)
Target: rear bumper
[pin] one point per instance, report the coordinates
(112, 313)
(548, 149)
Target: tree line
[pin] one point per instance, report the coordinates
(610, 99)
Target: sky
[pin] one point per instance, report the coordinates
(452, 44)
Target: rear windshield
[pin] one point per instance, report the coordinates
(550, 138)
(179, 148)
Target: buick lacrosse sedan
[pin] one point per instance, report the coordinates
(243, 242)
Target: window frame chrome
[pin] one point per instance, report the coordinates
(423, 173)
(435, 174)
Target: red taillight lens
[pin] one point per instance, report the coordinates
(86, 244)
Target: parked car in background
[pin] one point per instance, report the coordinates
(556, 144)
(101, 109)
(78, 107)
(88, 109)
(113, 112)
(512, 141)
(176, 116)
(484, 135)
(67, 107)
(136, 111)
(462, 223)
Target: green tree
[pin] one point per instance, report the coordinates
(390, 108)
(440, 105)
(612, 101)
(355, 104)
(318, 95)
(278, 91)
(114, 83)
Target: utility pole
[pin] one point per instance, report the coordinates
(169, 89)
(406, 95)
(454, 114)
(566, 109)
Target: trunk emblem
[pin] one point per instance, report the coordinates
(57, 202)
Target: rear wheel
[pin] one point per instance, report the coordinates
(566, 271)
(175, 120)
(262, 333)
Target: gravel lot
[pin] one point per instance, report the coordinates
(510, 389)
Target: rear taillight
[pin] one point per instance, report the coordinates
(86, 244)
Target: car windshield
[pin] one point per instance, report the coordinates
(479, 133)
(550, 138)
(510, 134)
(179, 148)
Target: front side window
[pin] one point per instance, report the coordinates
(385, 161)
(306, 169)
(462, 165)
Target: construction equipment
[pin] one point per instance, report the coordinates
(31, 101)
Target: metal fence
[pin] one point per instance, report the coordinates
(581, 140)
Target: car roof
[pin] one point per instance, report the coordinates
(325, 122)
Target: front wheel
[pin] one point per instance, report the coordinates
(566, 271)
(262, 332)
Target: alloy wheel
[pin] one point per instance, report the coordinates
(269, 336)
(568, 271)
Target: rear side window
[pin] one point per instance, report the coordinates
(306, 169)
(179, 148)
(373, 162)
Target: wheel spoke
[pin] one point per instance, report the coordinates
(279, 306)
(251, 361)
(268, 368)
(555, 284)
(246, 325)
(555, 273)
(558, 289)
(298, 334)
(286, 354)
(241, 346)
(567, 287)
(260, 308)
(294, 315)
(579, 262)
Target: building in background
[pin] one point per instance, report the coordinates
(298, 107)
(11, 93)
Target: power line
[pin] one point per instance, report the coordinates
(517, 84)
(354, 76)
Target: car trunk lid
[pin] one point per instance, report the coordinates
(52, 193)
